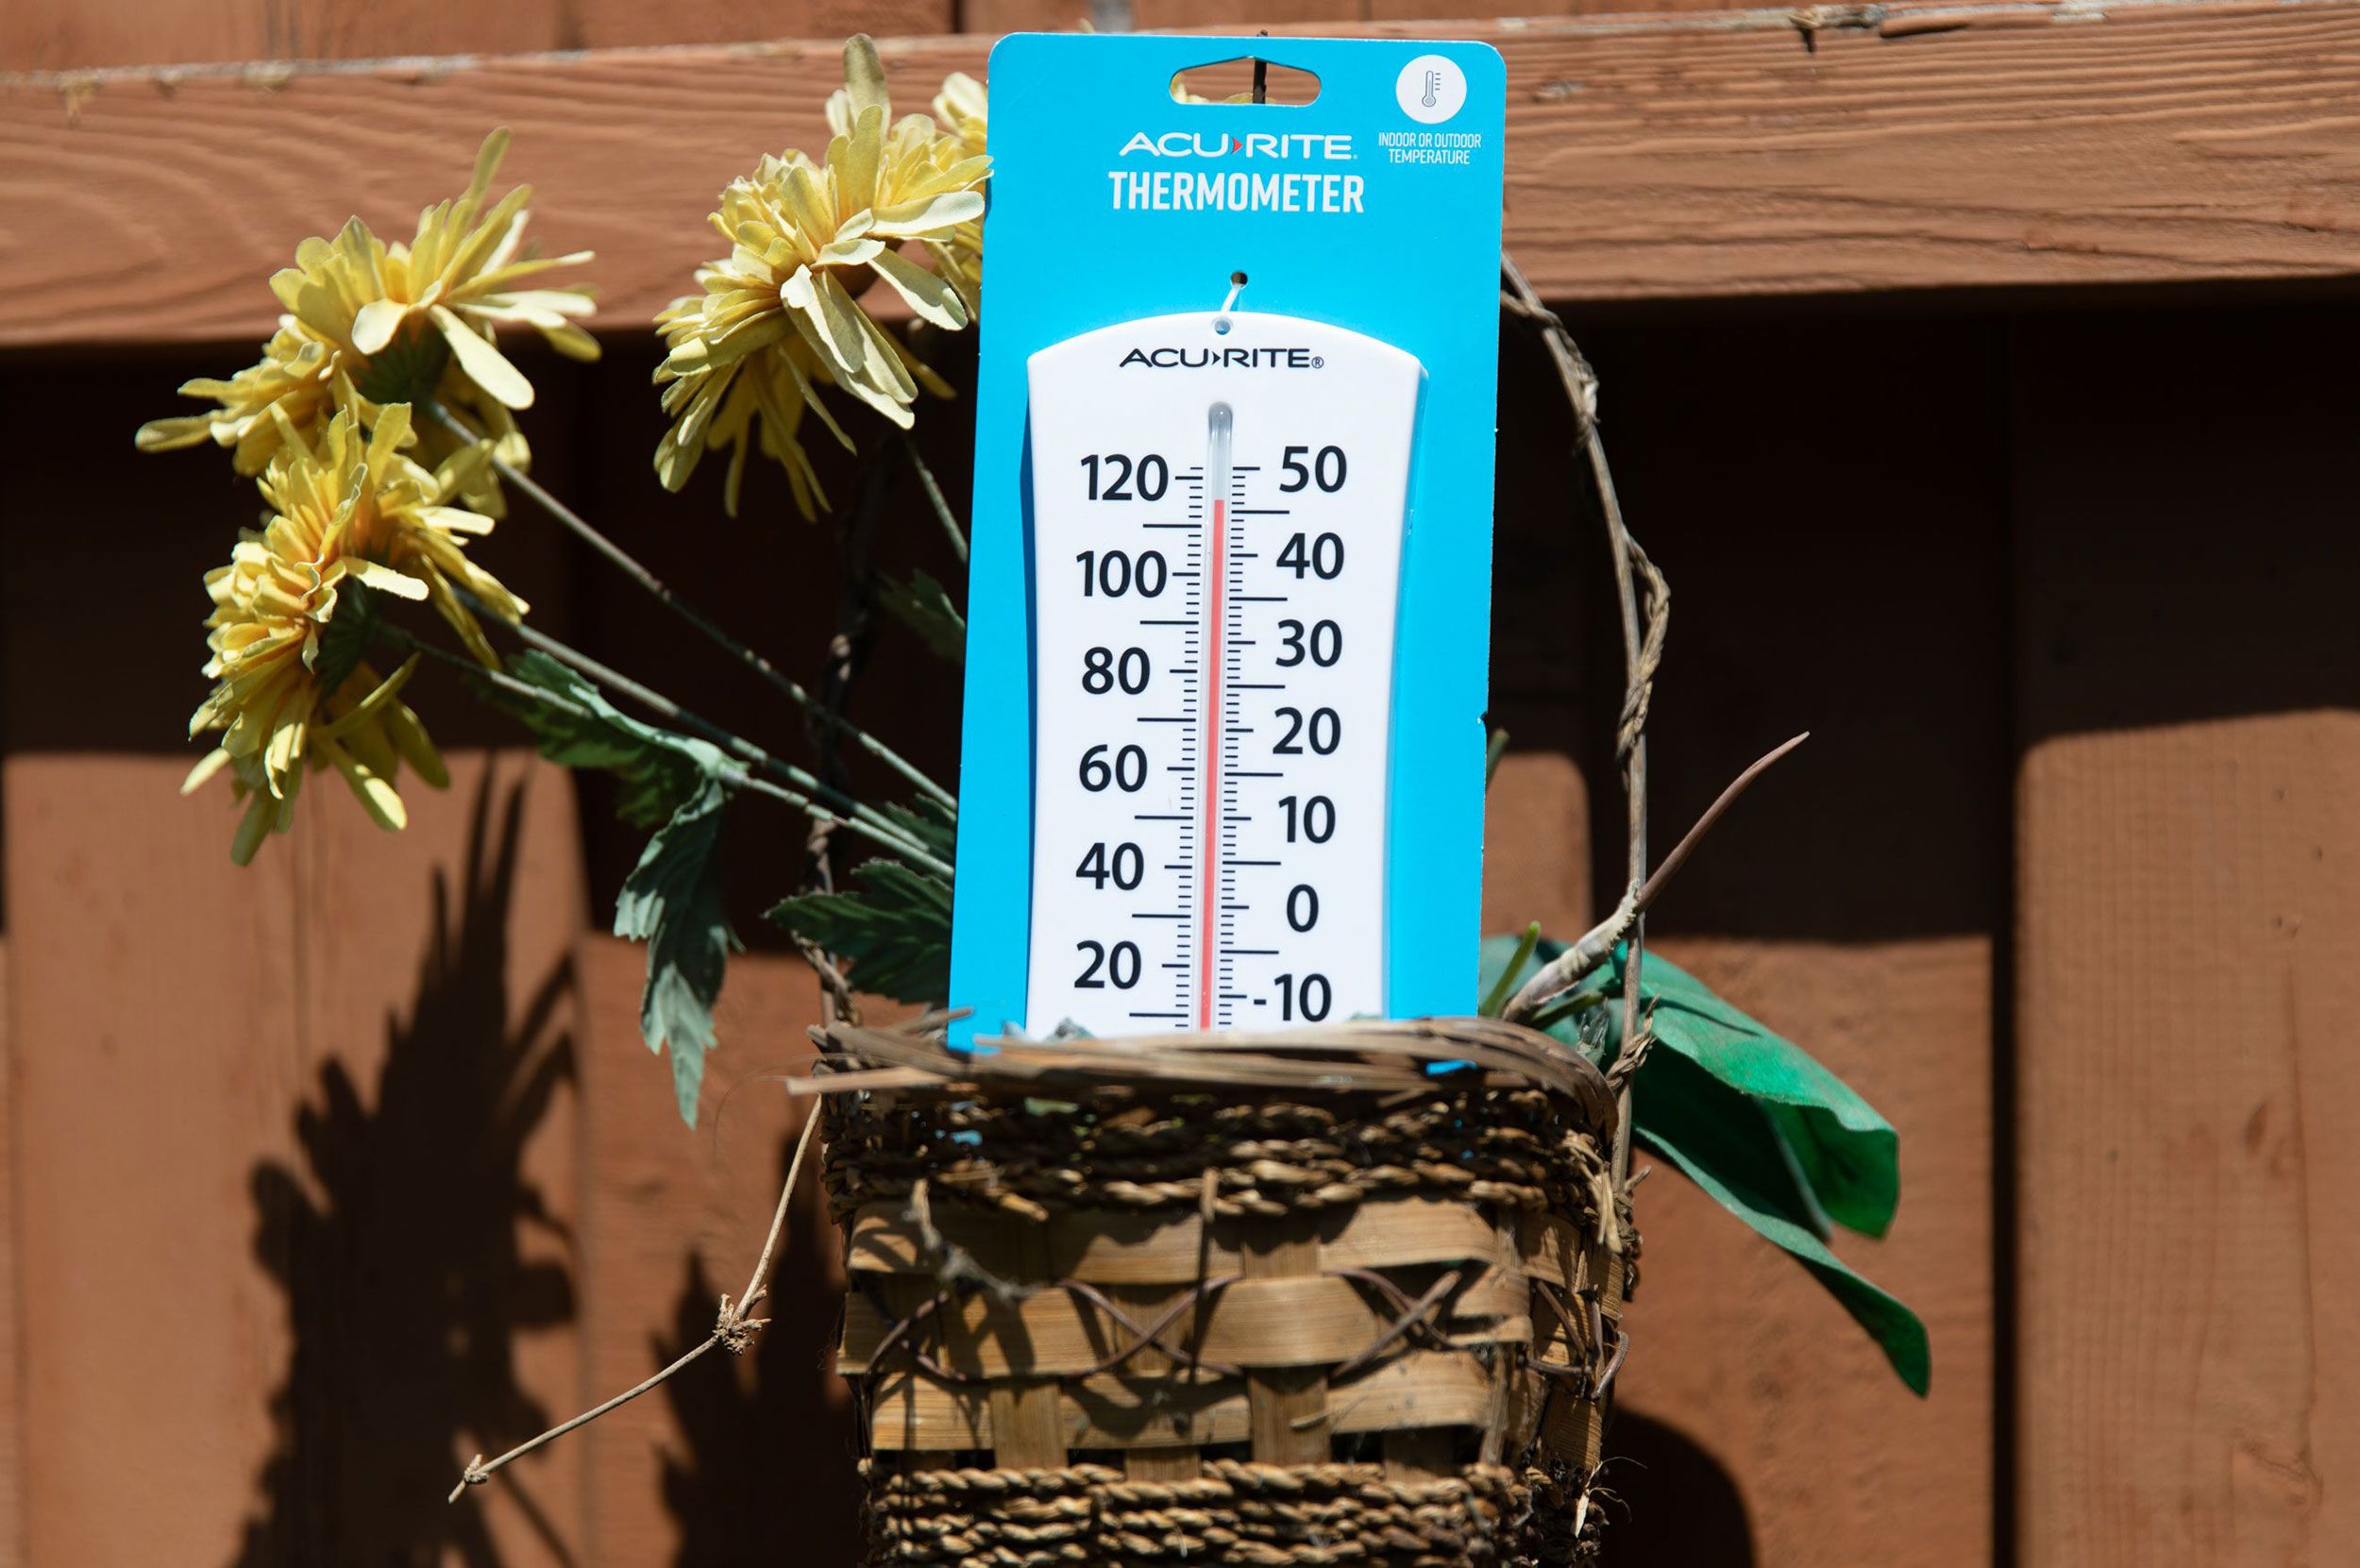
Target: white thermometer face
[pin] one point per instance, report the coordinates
(1218, 519)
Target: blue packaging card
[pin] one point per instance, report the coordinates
(1373, 210)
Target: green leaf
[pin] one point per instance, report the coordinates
(672, 901)
(1494, 747)
(1774, 1137)
(932, 823)
(659, 770)
(348, 634)
(1848, 1155)
(1500, 970)
(1730, 1147)
(896, 930)
(925, 607)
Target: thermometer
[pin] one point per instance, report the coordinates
(1219, 507)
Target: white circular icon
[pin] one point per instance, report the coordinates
(1431, 88)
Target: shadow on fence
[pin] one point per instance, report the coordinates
(399, 1247)
(767, 1468)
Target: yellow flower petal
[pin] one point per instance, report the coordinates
(375, 323)
(484, 363)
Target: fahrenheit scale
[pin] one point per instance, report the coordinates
(1218, 520)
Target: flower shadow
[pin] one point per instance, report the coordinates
(400, 1247)
(768, 1445)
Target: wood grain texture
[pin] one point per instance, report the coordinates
(1536, 830)
(11, 1349)
(2189, 945)
(1291, 1421)
(2190, 955)
(1738, 1352)
(68, 35)
(309, 1120)
(1649, 158)
(735, 1456)
(1856, 899)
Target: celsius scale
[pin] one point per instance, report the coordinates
(1218, 520)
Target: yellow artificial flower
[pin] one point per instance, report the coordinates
(758, 398)
(297, 374)
(366, 732)
(273, 605)
(370, 325)
(807, 240)
(964, 108)
(397, 523)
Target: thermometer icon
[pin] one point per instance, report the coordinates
(1219, 509)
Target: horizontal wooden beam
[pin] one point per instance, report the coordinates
(1835, 149)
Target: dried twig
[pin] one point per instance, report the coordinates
(1643, 639)
(1562, 973)
(733, 1330)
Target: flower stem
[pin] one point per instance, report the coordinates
(735, 777)
(949, 518)
(629, 565)
(835, 800)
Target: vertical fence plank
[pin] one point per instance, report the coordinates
(732, 1457)
(2189, 929)
(11, 1349)
(1854, 902)
(294, 1140)
(251, 1086)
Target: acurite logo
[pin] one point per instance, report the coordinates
(1223, 359)
(1258, 143)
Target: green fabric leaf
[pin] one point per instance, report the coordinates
(896, 929)
(1752, 1120)
(933, 824)
(1493, 957)
(351, 630)
(1730, 1147)
(925, 607)
(658, 770)
(1850, 1156)
(672, 901)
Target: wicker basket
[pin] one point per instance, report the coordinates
(1276, 1299)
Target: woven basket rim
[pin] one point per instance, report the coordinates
(1365, 1055)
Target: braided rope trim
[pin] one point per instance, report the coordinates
(1269, 1157)
(1235, 1512)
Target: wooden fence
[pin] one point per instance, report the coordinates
(1952, 370)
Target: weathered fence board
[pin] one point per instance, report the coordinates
(2188, 944)
(1652, 158)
